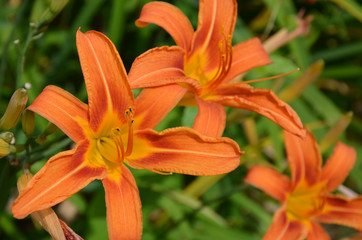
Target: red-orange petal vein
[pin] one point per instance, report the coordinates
(124, 214)
(62, 109)
(270, 181)
(303, 156)
(338, 166)
(104, 75)
(183, 150)
(62, 176)
(261, 101)
(210, 119)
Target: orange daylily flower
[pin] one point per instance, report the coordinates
(107, 139)
(200, 68)
(307, 199)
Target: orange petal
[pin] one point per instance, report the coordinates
(105, 77)
(303, 156)
(169, 17)
(160, 66)
(247, 55)
(343, 211)
(62, 176)
(155, 103)
(270, 181)
(210, 120)
(316, 232)
(124, 215)
(283, 229)
(261, 101)
(183, 150)
(216, 23)
(338, 166)
(62, 109)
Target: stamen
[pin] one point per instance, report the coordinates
(117, 138)
(149, 169)
(226, 54)
(129, 115)
(273, 77)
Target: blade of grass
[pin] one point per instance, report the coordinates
(351, 6)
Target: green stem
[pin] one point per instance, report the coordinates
(33, 29)
(31, 156)
(4, 58)
(352, 7)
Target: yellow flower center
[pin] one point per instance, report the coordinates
(110, 148)
(306, 201)
(195, 65)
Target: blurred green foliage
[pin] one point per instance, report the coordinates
(43, 52)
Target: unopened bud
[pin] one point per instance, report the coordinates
(47, 217)
(7, 136)
(28, 122)
(13, 111)
(50, 129)
(46, 11)
(24, 180)
(41, 139)
(4, 148)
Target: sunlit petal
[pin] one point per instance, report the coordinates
(154, 104)
(210, 119)
(270, 181)
(283, 229)
(105, 76)
(339, 210)
(62, 176)
(62, 109)
(158, 67)
(216, 23)
(169, 17)
(261, 101)
(338, 166)
(183, 150)
(247, 55)
(124, 215)
(303, 156)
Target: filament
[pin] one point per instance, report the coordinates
(149, 169)
(273, 77)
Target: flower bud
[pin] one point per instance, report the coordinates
(4, 148)
(7, 136)
(41, 139)
(46, 11)
(24, 180)
(28, 122)
(47, 217)
(50, 129)
(13, 111)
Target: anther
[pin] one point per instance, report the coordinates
(129, 115)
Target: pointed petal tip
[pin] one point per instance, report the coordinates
(16, 211)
